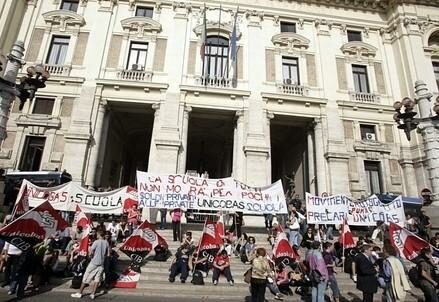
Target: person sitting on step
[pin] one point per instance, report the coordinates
(221, 264)
(180, 263)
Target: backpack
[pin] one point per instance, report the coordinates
(197, 278)
(414, 276)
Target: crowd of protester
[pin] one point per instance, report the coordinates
(371, 266)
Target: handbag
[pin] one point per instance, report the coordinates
(248, 276)
(315, 276)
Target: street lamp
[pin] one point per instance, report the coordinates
(30, 83)
(405, 116)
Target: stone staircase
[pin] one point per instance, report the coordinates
(154, 281)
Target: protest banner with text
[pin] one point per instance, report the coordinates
(334, 209)
(187, 192)
(67, 196)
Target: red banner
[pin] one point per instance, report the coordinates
(408, 244)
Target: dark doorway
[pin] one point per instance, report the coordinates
(128, 143)
(210, 143)
(288, 152)
(32, 153)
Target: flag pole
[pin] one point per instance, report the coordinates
(199, 246)
(343, 242)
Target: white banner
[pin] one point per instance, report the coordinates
(65, 197)
(333, 210)
(187, 192)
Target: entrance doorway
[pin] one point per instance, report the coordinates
(210, 143)
(289, 153)
(128, 143)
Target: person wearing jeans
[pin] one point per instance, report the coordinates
(294, 227)
(317, 263)
(163, 213)
(222, 265)
(328, 256)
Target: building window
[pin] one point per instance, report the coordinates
(368, 132)
(361, 81)
(287, 27)
(71, 5)
(32, 153)
(137, 56)
(436, 72)
(58, 50)
(144, 11)
(290, 70)
(43, 106)
(354, 35)
(373, 177)
(216, 57)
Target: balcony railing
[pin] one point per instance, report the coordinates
(214, 81)
(135, 75)
(293, 89)
(365, 97)
(62, 70)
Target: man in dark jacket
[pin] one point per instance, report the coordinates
(366, 274)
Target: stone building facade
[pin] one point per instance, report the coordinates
(310, 95)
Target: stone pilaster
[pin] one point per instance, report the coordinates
(184, 135)
(311, 160)
(320, 157)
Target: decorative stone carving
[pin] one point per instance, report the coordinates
(141, 25)
(300, 22)
(359, 49)
(290, 41)
(63, 19)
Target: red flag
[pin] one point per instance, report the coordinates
(346, 238)
(82, 220)
(33, 227)
(282, 250)
(22, 203)
(210, 241)
(131, 199)
(141, 243)
(408, 244)
(219, 227)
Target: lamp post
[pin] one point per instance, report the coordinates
(29, 84)
(427, 125)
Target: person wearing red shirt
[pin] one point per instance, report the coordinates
(221, 264)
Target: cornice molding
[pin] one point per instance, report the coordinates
(63, 18)
(359, 49)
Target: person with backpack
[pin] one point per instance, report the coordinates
(318, 273)
(396, 283)
(427, 282)
(366, 273)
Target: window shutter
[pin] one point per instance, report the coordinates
(379, 76)
(389, 134)
(35, 45)
(348, 129)
(240, 62)
(114, 51)
(341, 74)
(311, 69)
(192, 57)
(159, 55)
(81, 46)
(270, 70)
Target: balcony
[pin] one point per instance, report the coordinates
(365, 97)
(135, 75)
(214, 81)
(289, 88)
(59, 70)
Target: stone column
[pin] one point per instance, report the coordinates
(320, 158)
(408, 172)
(99, 140)
(185, 130)
(7, 84)
(238, 145)
(311, 160)
(430, 137)
(270, 116)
